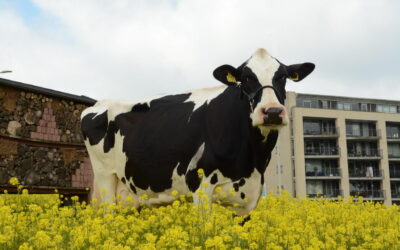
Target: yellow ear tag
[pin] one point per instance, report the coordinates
(295, 78)
(230, 78)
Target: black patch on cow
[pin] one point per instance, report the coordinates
(236, 186)
(132, 188)
(242, 195)
(94, 127)
(192, 180)
(109, 139)
(245, 219)
(140, 107)
(158, 139)
(262, 179)
(242, 182)
(279, 82)
(181, 169)
(214, 179)
(123, 180)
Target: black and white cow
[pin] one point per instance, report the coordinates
(157, 145)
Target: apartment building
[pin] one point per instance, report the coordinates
(338, 146)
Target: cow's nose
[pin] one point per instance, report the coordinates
(272, 116)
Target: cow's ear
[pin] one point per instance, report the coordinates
(226, 74)
(298, 72)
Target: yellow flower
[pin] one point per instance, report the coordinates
(151, 238)
(200, 173)
(13, 181)
(144, 197)
(204, 184)
(174, 193)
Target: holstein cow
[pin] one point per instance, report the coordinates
(158, 145)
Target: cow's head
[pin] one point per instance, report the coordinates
(262, 79)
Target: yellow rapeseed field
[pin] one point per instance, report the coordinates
(279, 222)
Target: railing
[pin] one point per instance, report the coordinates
(394, 156)
(369, 193)
(393, 136)
(327, 172)
(331, 131)
(395, 194)
(322, 151)
(370, 133)
(328, 194)
(365, 153)
(365, 172)
(394, 173)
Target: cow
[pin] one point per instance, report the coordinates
(156, 146)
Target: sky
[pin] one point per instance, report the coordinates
(130, 49)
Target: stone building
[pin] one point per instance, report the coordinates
(41, 141)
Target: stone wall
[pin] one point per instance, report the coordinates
(41, 141)
(35, 116)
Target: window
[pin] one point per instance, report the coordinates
(363, 107)
(392, 109)
(353, 129)
(323, 104)
(393, 131)
(307, 103)
(312, 128)
(394, 169)
(394, 150)
(340, 105)
(386, 108)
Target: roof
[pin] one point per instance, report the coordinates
(360, 99)
(46, 91)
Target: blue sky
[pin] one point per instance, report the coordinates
(26, 9)
(132, 49)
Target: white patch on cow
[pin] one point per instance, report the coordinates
(104, 171)
(201, 96)
(196, 157)
(264, 67)
(252, 189)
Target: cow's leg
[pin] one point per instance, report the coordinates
(123, 193)
(106, 186)
(95, 194)
(204, 193)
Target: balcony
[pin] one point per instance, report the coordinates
(326, 133)
(394, 172)
(395, 195)
(393, 132)
(393, 137)
(369, 194)
(394, 156)
(370, 134)
(365, 173)
(371, 154)
(328, 173)
(333, 193)
(322, 152)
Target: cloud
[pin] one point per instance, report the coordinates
(130, 49)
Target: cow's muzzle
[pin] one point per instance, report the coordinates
(272, 116)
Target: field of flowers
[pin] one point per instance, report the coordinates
(279, 222)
